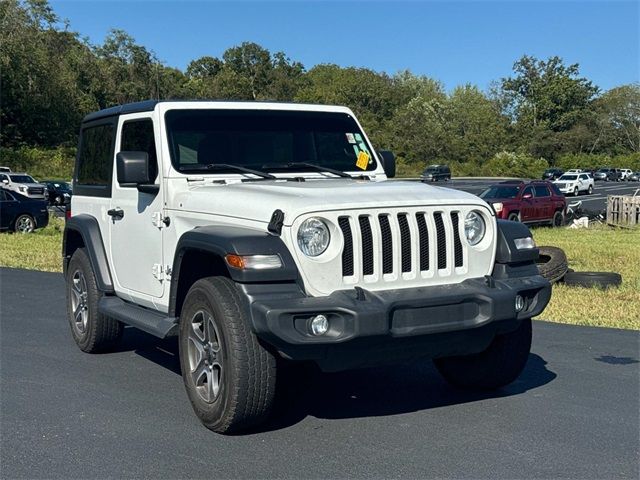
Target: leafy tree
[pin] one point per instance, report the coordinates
(547, 93)
(252, 63)
(204, 67)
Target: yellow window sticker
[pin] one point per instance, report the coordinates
(363, 160)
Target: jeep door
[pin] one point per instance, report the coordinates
(136, 233)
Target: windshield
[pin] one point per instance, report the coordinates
(266, 140)
(604, 170)
(569, 177)
(500, 192)
(22, 179)
(59, 185)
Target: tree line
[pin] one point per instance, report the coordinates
(545, 113)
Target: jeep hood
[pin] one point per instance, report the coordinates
(258, 200)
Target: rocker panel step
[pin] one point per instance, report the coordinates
(150, 321)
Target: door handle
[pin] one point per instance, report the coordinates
(116, 213)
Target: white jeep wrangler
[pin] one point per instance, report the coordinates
(261, 233)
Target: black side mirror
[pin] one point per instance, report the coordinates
(132, 169)
(388, 160)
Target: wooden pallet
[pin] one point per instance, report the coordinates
(624, 210)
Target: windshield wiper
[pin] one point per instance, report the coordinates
(228, 166)
(317, 168)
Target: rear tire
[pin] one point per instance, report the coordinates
(590, 190)
(558, 219)
(500, 364)
(24, 224)
(229, 376)
(92, 331)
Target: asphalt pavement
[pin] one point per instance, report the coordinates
(574, 412)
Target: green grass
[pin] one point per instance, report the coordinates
(596, 249)
(40, 250)
(604, 249)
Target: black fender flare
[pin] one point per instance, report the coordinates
(221, 240)
(506, 251)
(89, 229)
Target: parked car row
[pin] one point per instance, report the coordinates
(605, 174)
(56, 192)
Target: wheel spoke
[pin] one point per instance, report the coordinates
(213, 335)
(196, 354)
(216, 372)
(200, 380)
(197, 327)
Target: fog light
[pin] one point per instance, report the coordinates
(519, 303)
(319, 325)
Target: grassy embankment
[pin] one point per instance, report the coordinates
(598, 249)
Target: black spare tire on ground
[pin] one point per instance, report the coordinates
(552, 263)
(593, 279)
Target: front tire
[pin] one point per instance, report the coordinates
(500, 364)
(92, 331)
(514, 217)
(576, 192)
(228, 375)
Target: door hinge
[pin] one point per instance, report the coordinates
(160, 220)
(161, 272)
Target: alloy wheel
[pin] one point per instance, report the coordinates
(205, 356)
(79, 303)
(25, 224)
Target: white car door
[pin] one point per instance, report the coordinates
(136, 227)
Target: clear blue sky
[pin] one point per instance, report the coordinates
(455, 42)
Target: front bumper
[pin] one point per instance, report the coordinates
(369, 328)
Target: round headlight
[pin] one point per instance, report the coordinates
(313, 237)
(474, 228)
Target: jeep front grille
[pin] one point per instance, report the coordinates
(403, 243)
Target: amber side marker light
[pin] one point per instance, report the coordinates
(253, 262)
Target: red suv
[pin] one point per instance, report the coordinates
(528, 202)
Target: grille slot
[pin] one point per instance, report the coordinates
(347, 253)
(441, 241)
(398, 248)
(367, 245)
(405, 242)
(423, 232)
(457, 243)
(387, 244)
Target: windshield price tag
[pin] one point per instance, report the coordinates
(363, 160)
(351, 138)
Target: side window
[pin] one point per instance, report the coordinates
(137, 136)
(4, 177)
(3, 196)
(583, 177)
(542, 191)
(96, 156)
(528, 191)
